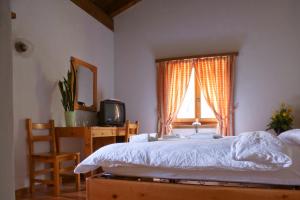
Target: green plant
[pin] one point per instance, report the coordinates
(67, 89)
(281, 120)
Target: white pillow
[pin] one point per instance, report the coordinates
(290, 136)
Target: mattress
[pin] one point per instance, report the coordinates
(289, 176)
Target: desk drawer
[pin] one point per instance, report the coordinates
(103, 132)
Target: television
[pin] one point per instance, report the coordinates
(112, 113)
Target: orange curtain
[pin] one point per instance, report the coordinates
(172, 81)
(215, 76)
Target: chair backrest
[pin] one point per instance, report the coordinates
(131, 129)
(31, 138)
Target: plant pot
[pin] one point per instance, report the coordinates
(70, 118)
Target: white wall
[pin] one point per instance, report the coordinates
(266, 34)
(6, 105)
(57, 29)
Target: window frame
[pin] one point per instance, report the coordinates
(187, 122)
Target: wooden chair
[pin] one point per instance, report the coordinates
(53, 157)
(131, 129)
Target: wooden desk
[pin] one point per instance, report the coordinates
(104, 135)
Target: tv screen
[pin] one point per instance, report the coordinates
(112, 113)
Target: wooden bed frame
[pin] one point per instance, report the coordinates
(100, 187)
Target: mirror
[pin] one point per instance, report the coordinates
(86, 85)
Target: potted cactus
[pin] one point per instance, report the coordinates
(67, 89)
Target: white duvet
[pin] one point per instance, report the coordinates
(261, 147)
(224, 153)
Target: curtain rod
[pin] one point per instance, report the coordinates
(197, 56)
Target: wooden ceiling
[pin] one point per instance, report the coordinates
(105, 10)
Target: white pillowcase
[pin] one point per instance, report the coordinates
(290, 136)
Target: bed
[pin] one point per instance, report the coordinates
(254, 165)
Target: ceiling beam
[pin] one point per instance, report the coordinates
(95, 12)
(123, 7)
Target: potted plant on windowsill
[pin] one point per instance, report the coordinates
(67, 89)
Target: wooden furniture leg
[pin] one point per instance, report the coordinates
(88, 146)
(77, 176)
(57, 146)
(56, 177)
(57, 143)
(31, 175)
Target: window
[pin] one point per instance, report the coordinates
(194, 106)
(178, 76)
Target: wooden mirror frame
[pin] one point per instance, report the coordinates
(76, 63)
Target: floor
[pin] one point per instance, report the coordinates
(46, 193)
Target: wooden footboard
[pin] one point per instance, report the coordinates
(106, 189)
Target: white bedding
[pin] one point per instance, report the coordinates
(192, 154)
(261, 147)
